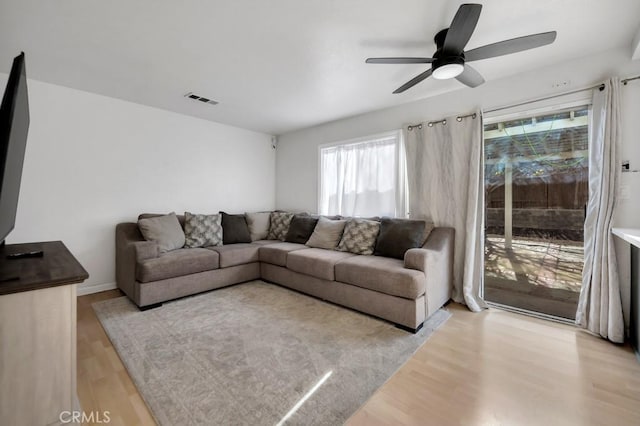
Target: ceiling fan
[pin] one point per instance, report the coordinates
(450, 59)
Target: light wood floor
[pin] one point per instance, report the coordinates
(490, 368)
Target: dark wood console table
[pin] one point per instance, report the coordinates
(38, 318)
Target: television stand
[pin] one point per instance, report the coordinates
(38, 329)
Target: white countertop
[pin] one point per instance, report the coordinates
(630, 235)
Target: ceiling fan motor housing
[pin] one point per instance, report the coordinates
(442, 57)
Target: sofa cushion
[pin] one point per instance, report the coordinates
(236, 254)
(176, 263)
(382, 274)
(359, 236)
(327, 233)
(234, 229)
(301, 228)
(276, 254)
(399, 235)
(202, 230)
(258, 224)
(164, 230)
(316, 262)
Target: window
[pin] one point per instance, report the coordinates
(364, 177)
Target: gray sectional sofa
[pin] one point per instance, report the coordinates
(405, 292)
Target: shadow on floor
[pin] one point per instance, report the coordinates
(536, 275)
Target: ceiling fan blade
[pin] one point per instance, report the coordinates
(399, 60)
(415, 80)
(510, 46)
(462, 27)
(470, 77)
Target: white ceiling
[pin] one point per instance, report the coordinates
(280, 65)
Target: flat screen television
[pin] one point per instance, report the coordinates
(14, 127)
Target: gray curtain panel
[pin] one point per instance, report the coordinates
(600, 306)
(445, 179)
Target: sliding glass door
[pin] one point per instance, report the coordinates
(536, 191)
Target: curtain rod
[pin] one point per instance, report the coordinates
(443, 121)
(626, 80)
(599, 86)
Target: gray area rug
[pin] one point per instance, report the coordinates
(248, 354)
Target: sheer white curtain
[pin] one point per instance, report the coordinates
(600, 306)
(364, 178)
(445, 177)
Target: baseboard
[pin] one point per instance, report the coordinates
(84, 289)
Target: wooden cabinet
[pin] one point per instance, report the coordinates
(38, 334)
(632, 236)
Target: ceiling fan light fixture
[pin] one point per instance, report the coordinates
(447, 71)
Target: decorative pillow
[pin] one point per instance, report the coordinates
(234, 229)
(258, 224)
(327, 233)
(359, 236)
(399, 235)
(300, 228)
(279, 226)
(202, 230)
(149, 215)
(164, 230)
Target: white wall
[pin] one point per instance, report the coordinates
(297, 162)
(94, 161)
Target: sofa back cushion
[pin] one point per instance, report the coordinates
(359, 236)
(279, 225)
(327, 233)
(234, 229)
(202, 230)
(258, 224)
(399, 235)
(301, 228)
(164, 230)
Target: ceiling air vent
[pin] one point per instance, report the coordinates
(195, 97)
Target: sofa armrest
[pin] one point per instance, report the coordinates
(435, 259)
(131, 248)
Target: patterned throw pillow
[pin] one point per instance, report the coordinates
(202, 230)
(279, 227)
(359, 236)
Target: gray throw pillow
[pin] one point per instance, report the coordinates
(327, 233)
(399, 235)
(359, 236)
(428, 227)
(279, 226)
(202, 230)
(164, 230)
(258, 224)
(234, 229)
(301, 228)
